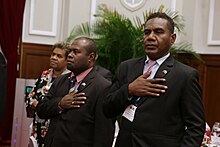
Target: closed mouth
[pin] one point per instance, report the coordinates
(53, 62)
(69, 62)
(151, 46)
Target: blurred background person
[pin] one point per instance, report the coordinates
(103, 71)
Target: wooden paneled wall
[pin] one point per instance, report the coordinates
(35, 59)
(210, 76)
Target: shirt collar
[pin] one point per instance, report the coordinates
(160, 60)
(51, 71)
(66, 71)
(82, 75)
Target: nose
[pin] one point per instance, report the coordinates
(150, 37)
(53, 56)
(70, 55)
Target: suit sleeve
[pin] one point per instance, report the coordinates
(48, 107)
(193, 112)
(104, 127)
(117, 100)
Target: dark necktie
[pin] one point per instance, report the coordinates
(72, 84)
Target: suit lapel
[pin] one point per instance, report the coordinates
(137, 69)
(163, 70)
(87, 80)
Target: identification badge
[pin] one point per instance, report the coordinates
(130, 112)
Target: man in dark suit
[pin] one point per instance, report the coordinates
(160, 106)
(104, 72)
(3, 85)
(74, 102)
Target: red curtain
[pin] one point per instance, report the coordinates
(11, 18)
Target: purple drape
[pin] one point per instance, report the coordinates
(11, 18)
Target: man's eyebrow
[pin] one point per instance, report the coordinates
(146, 30)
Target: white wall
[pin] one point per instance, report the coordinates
(48, 28)
(196, 14)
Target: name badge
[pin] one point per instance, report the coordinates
(130, 112)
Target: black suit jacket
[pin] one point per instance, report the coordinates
(104, 72)
(174, 119)
(80, 127)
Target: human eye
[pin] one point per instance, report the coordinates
(146, 32)
(59, 56)
(52, 55)
(75, 51)
(159, 31)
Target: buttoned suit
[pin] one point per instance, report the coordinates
(174, 119)
(78, 127)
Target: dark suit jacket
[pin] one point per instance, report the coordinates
(104, 72)
(80, 127)
(159, 121)
(3, 85)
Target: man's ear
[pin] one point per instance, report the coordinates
(92, 57)
(173, 38)
(96, 56)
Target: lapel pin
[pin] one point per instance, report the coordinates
(83, 84)
(164, 71)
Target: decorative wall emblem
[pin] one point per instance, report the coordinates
(133, 5)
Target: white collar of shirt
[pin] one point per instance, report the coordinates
(156, 66)
(160, 60)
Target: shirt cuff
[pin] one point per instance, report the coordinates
(60, 109)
